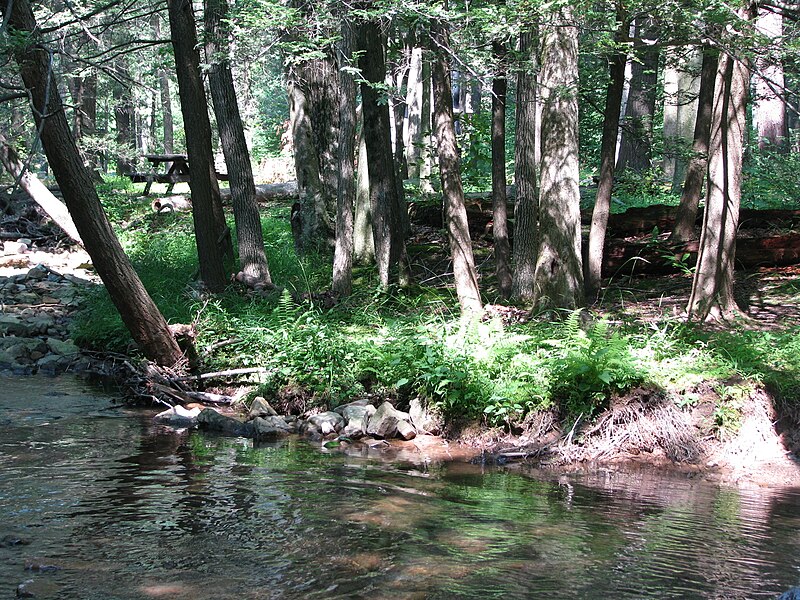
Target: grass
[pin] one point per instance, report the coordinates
(407, 343)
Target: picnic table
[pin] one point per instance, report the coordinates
(177, 171)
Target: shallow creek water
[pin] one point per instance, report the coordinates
(128, 510)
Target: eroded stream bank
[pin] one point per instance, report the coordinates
(107, 504)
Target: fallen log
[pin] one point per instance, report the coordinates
(269, 192)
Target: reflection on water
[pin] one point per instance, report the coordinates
(130, 511)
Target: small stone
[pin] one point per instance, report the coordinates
(36, 355)
(38, 273)
(9, 541)
(27, 241)
(13, 325)
(41, 567)
(23, 591)
(52, 364)
(406, 430)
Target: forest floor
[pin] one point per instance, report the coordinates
(642, 427)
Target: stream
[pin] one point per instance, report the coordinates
(98, 503)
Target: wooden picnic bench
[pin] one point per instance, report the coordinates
(177, 171)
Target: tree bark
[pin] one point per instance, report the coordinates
(559, 271)
(386, 221)
(166, 97)
(363, 242)
(209, 232)
(637, 133)
(684, 228)
(345, 198)
(681, 89)
(464, 272)
(526, 208)
(412, 130)
(38, 191)
(712, 289)
(252, 258)
(147, 326)
(608, 147)
(502, 246)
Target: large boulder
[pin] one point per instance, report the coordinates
(261, 408)
(270, 427)
(357, 417)
(211, 420)
(384, 423)
(423, 418)
(62, 348)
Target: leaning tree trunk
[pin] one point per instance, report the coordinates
(209, 232)
(38, 191)
(252, 258)
(526, 207)
(147, 326)
(684, 229)
(608, 148)
(502, 246)
(345, 198)
(558, 282)
(464, 272)
(712, 289)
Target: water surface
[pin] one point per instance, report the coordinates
(128, 510)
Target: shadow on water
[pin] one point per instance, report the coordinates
(128, 510)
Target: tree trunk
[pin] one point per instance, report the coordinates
(343, 253)
(637, 132)
(38, 191)
(712, 288)
(464, 273)
(684, 229)
(307, 222)
(526, 208)
(386, 222)
(252, 258)
(166, 97)
(412, 130)
(209, 232)
(502, 247)
(559, 271)
(140, 315)
(363, 242)
(608, 147)
(425, 157)
(125, 120)
(681, 89)
(770, 105)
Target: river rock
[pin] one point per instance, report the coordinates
(260, 408)
(178, 416)
(384, 423)
(360, 402)
(52, 364)
(62, 348)
(423, 418)
(211, 420)
(38, 273)
(357, 417)
(270, 427)
(326, 423)
(14, 325)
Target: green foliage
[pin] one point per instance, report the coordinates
(645, 188)
(771, 180)
(593, 363)
(475, 141)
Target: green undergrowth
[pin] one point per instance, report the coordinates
(403, 344)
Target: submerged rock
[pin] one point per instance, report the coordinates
(211, 420)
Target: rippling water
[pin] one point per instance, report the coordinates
(127, 510)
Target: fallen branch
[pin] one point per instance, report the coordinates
(227, 373)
